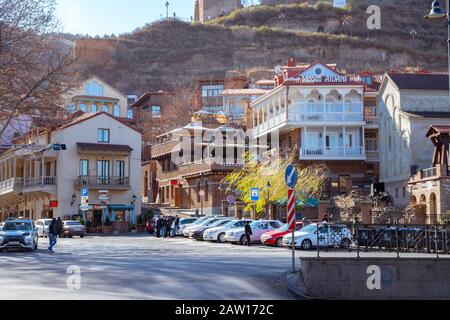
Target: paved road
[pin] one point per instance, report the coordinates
(143, 267)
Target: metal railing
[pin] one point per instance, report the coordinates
(373, 154)
(103, 181)
(428, 173)
(425, 239)
(27, 182)
(331, 151)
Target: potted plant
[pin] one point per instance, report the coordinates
(107, 226)
(140, 224)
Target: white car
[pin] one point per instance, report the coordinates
(258, 229)
(42, 227)
(218, 234)
(203, 222)
(327, 235)
(183, 223)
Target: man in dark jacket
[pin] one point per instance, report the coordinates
(168, 226)
(52, 233)
(59, 226)
(248, 233)
(158, 227)
(176, 226)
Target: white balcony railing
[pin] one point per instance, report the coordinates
(372, 120)
(321, 152)
(27, 182)
(326, 112)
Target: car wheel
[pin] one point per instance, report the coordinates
(279, 242)
(221, 238)
(70, 237)
(345, 244)
(243, 240)
(81, 237)
(306, 244)
(33, 248)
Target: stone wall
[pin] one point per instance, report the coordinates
(409, 278)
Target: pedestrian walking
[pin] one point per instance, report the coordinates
(158, 224)
(169, 226)
(176, 226)
(52, 234)
(248, 233)
(59, 227)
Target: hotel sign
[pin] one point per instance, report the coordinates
(327, 79)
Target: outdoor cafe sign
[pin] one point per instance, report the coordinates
(327, 79)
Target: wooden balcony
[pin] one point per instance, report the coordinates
(104, 183)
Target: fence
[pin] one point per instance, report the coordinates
(433, 239)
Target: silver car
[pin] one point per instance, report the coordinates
(19, 234)
(42, 227)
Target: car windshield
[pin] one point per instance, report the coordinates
(47, 222)
(201, 220)
(309, 229)
(219, 223)
(18, 226)
(283, 228)
(229, 224)
(207, 222)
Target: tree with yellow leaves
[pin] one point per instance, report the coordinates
(255, 174)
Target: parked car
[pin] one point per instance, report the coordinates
(275, 237)
(42, 227)
(218, 233)
(207, 224)
(18, 234)
(197, 233)
(258, 228)
(327, 235)
(183, 223)
(73, 228)
(150, 226)
(204, 222)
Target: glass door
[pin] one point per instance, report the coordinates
(120, 171)
(103, 172)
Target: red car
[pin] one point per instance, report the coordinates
(151, 224)
(275, 237)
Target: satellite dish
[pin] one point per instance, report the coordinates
(278, 70)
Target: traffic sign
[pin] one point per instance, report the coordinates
(291, 209)
(84, 192)
(231, 200)
(291, 176)
(254, 194)
(84, 207)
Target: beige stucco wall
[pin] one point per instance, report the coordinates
(109, 92)
(68, 162)
(409, 145)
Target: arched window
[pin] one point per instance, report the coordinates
(116, 110)
(105, 109)
(130, 114)
(83, 107)
(93, 108)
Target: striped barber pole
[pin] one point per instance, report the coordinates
(291, 209)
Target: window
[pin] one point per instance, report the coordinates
(116, 110)
(212, 90)
(94, 89)
(396, 192)
(103, 172)
(105, 109)
(390, 143)
(404, 192)
(213, 109)
(120, 168)
(130, 114)
(156, 111)
(84, 168)
(103, 136)
(93, 108)
(83, 107)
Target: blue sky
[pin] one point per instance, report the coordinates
(99, 17)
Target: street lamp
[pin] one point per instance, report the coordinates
(436, 13)
(268, 185)
(74, 197)
(167, 10)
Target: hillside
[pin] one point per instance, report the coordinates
(262, 37)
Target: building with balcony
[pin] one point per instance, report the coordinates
(95, 95)
(409, 105)
(41, 177)
(193, 160)
(328, 116)
(431, 187)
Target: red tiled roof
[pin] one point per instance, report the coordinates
(243, 92)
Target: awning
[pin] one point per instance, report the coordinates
(310, 202)
(120, 207)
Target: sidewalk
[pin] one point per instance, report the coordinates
(293, 283)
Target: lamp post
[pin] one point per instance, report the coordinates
(436, 13)
(268, 185)
(167, 10)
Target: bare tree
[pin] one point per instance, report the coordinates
(36, 66)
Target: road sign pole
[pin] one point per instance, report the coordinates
(291, 179)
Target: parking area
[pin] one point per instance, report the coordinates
(145, 267)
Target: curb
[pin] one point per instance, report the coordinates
(298, 291)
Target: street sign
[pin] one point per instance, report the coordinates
(254, 194)
(202, 193)
(291, 176)
(84, 192)
(291, 209)
(231, 200)
(84, 207)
